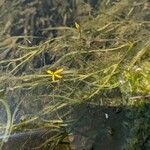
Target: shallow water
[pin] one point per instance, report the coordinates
(100, 100)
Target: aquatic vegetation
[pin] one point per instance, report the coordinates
(78, 27)
(107, 66)
(55, 74)
(8, 125)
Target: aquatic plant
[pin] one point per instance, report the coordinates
(111, 53)
(55, 74)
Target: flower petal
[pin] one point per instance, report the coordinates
(53, 78)
(58, 71)
(77, 26)
(50, 72)
(58, 76)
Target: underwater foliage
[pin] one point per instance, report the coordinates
(102, 46)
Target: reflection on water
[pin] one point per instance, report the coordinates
(92, 130)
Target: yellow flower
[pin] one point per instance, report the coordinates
(55, 74)
(77, 26)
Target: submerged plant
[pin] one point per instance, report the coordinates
(112, 55)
